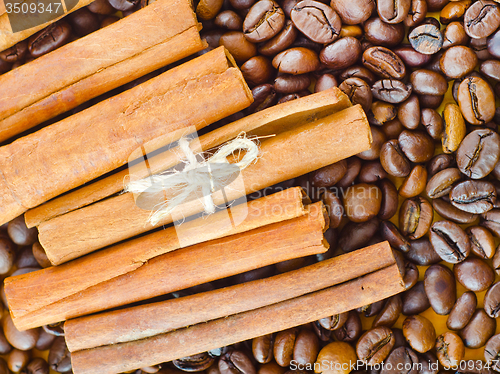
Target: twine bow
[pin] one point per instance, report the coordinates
(207, 175)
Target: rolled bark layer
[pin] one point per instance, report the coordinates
(97, 63)
(288, 155)
(96, 141)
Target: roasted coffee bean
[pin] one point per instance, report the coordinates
(393, 159)
(44, 340)
(362, 202)
(375, 345)
(5, 347)
(356, 235)
(378, 138)
(440, 288)
(339, 355)
(59, 356)
(334, 322)
(229, 20)
(426, 39)
(353, 12)
(4, 369)
(36, 366)
(410, 57)
(492, 352)
(478, 153)
(390, 232)
(264, 96)
(197, 362)
(439, 162)
(416, 145)
(23, 340)
(236, 362)
(264, 20)
(411, 273)
(281, 41)
(414, 183)
(490, 68)
(492, 301)
(334, 208)
(442, 182)
(382, 112)
(49, 39)
(422, 253)
(126, 5)
(381, 33)
(474, 274)
(393, 12)
(238, 45)
(450, 349)
(351, 329)
(454, 128)
(83, 22)
(480, 328)
(392, 129)
(352, 31)
(15, 53)
(306, 347)
(269, 368)
(432, 122)
(482, 241)
(358, 92)
(416, 14)
(462, 311)
(353, 169)
(19, 232)
(325, 82)
(40, 255)
(458, 61)
(391, 91)
(476, 100)
(415, 300)
(25, 259)
(287, 83)
(449, 212)
(262, 348)
(18, 360)
(242, 5)
(409, 113)
(7, 254)
(101, 7)
(428, 362)
(491, 220)
(257, 70)
(317, 21)
(454, 11)
(449, 241)
(430, 101)
(357, 71)
(384, 62)
(473, 196)
(482, 19)
(389, 313)
(283, 346)
(427, 82)
(454, 34)
(419, 332)
(341, 54)
(388, 206)
(329, 175)
(415, 217)
(296, 61)
(401, 361)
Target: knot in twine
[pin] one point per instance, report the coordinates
(207, 175)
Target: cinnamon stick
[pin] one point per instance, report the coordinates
(97, 63)
(287, 155)
(101, 138)
(221, 332)
(181, 269)
(50, 285)
(148, 320)
(272, 120)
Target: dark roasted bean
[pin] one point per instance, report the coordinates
(264, 20)
(229, 19)
(473, 196)
(15, 53)
(440, 288)
(439, 162)
(358, 92)
(375, 345)
(353, 12)
(264, 95)
(442, 182)
(353, 169)
(83, 22)
(357, 71)
(334, 207)
(458, 61)
(325, 82)
(415, 217)
(287, 83)
(449, 241)
(454, 34)
(411, 274)
(432, 122)
(462, 311)
(427, 82)
(351, 330)
(448, 211)
(381, 33)
(390, 232)
(409, 113)
(474, 274)
(415, 300)
(492, 301)
(416, 145)
(482, 241)
(476, 100)
(317, 21)
(362, 202)
(414, 183)
(382, 112)
(239, 46)
(257, 70)
(59, 356)
(341, 54)
(262, 348)
(478, 153)
(384, 62)
(329, 175)
(422, 253)
(393, 11)
(334, 322)
(389, 313)
(426, 39)
(419, 332)
(391, 91)
(306, 347)
(482, 19)
(281, 41)
(389, 204)
(356, 235)
(492, 352)
(296, 61)
(480, 328)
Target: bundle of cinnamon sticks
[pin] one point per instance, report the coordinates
(308, 137)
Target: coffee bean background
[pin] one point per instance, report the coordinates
(427, 74)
